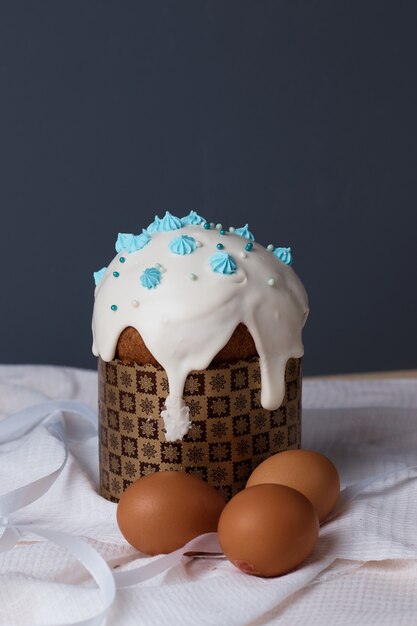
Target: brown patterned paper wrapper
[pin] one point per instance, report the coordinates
(230, 432)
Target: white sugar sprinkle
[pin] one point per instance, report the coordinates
(271, 282)
(243, 255)
(270, 247)
(135, 303)
(193, 276)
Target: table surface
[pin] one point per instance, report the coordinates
(364, 567)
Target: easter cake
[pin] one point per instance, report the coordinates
(198, 333)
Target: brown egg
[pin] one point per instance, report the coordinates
(162, 511)
(307, 471)
(268, 530)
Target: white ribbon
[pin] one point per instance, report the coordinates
(19, 424)
(50, 415)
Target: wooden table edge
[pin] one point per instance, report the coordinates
(367, 375)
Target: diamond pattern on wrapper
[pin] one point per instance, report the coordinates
(230, 432)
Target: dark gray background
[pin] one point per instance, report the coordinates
(297, 116)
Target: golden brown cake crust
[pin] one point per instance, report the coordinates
(131, 348)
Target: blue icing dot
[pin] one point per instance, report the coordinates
(284, 255)
(182, 245)
(192, 218)
(223, 263)
(150, 278)
(244, 232)
(99, 275)
(130, 243)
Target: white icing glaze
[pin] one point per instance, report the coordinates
(184, 323)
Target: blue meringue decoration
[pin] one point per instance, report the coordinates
(99, 275)
(184, 244)
(223, 263)
(127, 242)
(150, 278)
(244, 232)
(154, 226)
(284, 255)
(169, 222)
(192, 219)
(142, 240)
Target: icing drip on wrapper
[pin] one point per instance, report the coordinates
(176, 418)
(185, 323)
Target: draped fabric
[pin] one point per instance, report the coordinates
(363, 571)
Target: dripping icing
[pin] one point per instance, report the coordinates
(205, 312)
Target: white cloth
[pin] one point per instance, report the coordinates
(364, 568)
